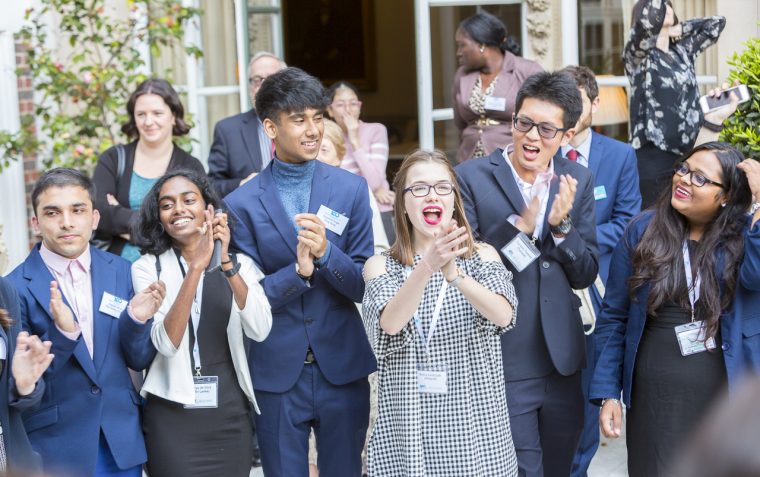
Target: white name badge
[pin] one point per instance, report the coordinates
(600, 193)
(520, 252)
(496, 103)
(431, 379)
(112, 305)
(206, 392)
(334, 221)
(691, 338)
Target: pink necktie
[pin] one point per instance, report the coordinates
(82, 309)
(572, 155)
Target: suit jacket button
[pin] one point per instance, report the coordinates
(308, 321)
(95, 390)
(545, 264)
(725, 346)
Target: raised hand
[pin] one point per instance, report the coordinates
(62, 314)
(30, 360)
(199, 258)
(526, 223)
(146, 303)
(563, 201)
(384, 196)
(719, 115)
(305, 259)
(751, 168)
(221, 232)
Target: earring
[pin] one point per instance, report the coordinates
(482, 48)
(723, 204)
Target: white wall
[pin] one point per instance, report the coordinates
(742, 17)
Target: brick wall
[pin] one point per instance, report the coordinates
(26, 106)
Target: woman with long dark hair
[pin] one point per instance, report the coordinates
(677, 323)
(125, 173)
(490, 73)
(659, 61)
(198, 388)
(434, 307)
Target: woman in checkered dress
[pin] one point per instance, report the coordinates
(434, 307)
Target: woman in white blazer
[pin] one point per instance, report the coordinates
(198, 389)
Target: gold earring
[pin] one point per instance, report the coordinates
(482, 48)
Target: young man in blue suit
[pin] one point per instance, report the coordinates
(617, 199)
(539, 211)
(241, 148)
(81, 300)
(308, 227)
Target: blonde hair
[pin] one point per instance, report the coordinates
(334, 133)
(402, 249)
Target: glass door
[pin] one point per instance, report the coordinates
(436, 23)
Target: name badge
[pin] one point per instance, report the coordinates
(334, 221)
(600, 193)
(496, 103)
(691, 338)
(520, 252)
(112, 305)
(206, 392)
(431, 378)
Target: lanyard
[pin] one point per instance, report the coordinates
(434, 319)
(195, 316)
(692, 284)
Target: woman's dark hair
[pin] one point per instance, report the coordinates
(658, 257)
(147, 232)
(330, 93)
(5, 319)
(638, 12)
(488, 30)
(162, 88)
(287, 91)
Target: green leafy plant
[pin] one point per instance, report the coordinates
(743, 127)
(84, 68)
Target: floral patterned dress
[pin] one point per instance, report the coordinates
(464, 432)
(664, 93)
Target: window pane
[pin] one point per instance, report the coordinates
(219, 107)
(602, 36)
(260, 32)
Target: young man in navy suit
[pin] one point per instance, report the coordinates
(308, 227)
(539, 211)
(81, 300)
(617, 199)
(241, 148)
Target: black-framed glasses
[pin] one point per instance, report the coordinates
(423, 190)
(545, 130)
(256, 80)
(697, 178)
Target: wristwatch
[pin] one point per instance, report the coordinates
(306, 279)
(235, 267)
(563, 228)
(457, 279)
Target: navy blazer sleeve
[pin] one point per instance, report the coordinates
(219, 163)
(135, 339)
(627, 204)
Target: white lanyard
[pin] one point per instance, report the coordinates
(433, 320)
(691, 284)
(195, 317)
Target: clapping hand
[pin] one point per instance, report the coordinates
(30, 360)
(313, 234)
(563, 201)
(445, 248)
(62, 314)
(146, 303)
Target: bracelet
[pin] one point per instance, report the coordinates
(225, 263)
(232, 271)
(712, 126)
(610, 399)
(457, 279)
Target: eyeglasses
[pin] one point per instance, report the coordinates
(545, 130)
(697, 179)
(423, 190)
(256, 80)
(349, 104)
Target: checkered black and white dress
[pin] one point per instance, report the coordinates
(464, 432)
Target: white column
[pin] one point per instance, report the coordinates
(569, 33)
(424, 73)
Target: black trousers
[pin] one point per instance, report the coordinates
(655, 172)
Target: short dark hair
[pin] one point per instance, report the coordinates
(488, 30)
(287, 91)
(162, 88)
(555, 88)
(337, 85)
(584, 78)
(62, 177)
(147, 231)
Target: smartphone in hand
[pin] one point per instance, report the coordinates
(710, 103)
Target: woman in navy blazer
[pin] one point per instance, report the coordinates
(693, 261)
(23, 359)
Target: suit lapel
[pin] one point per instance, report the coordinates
(39, 285)
(270, 200)
(249, 131)
(503, 175)
(320, 188)
(595, 155)
(102, 281)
